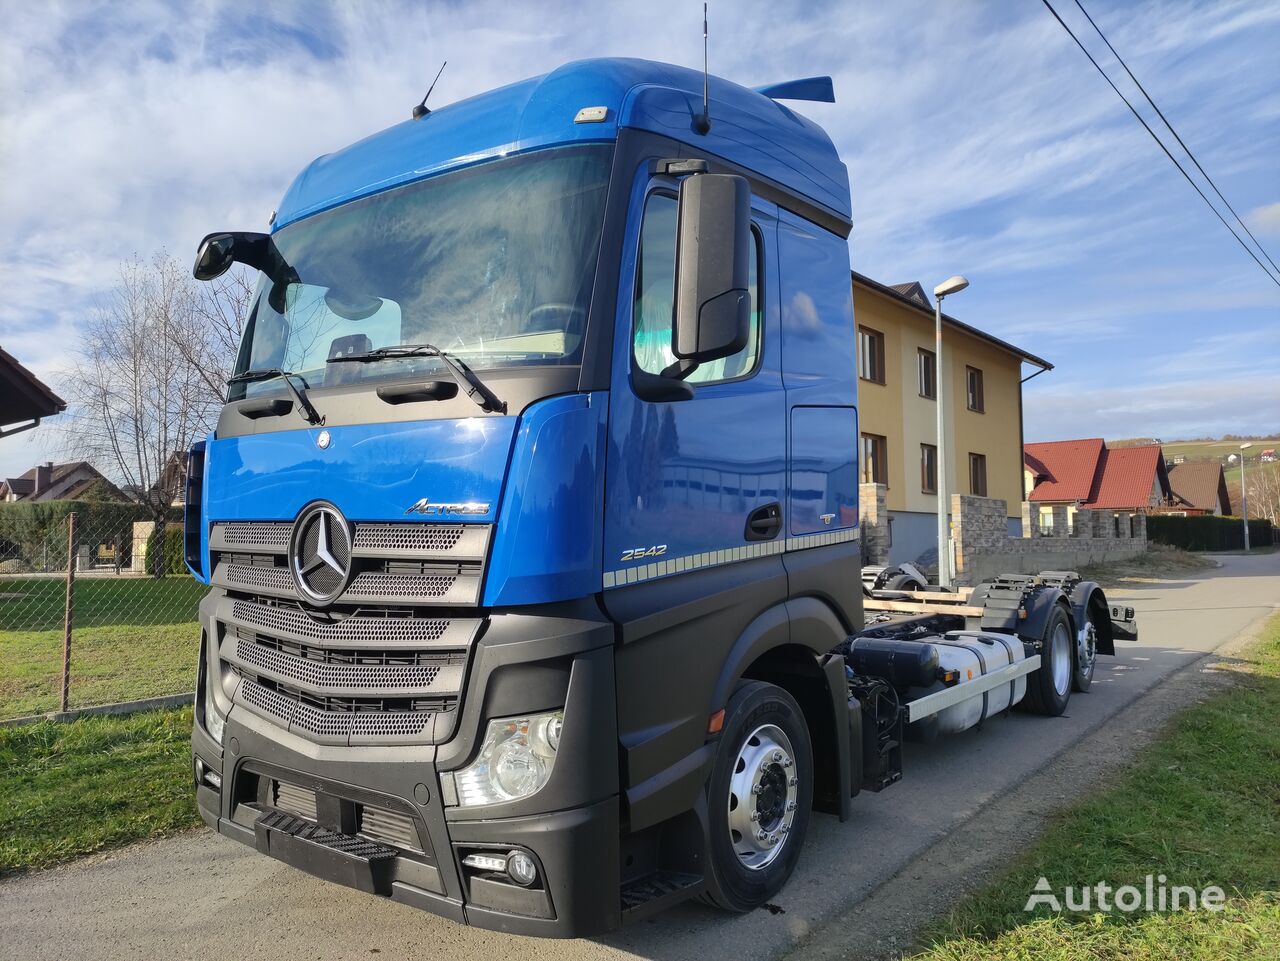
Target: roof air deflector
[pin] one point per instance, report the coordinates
(816, 89)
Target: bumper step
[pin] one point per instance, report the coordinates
(344, 858)
(655, 892)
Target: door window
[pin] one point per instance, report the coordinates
(655, 297)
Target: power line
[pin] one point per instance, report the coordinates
(1160, 142)
(1183, 145)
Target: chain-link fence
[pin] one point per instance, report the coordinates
(96, 608)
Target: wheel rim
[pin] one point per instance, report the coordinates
(1088, 650)
(1060, 656)
(763, 792)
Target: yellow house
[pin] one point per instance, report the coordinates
(897, 411)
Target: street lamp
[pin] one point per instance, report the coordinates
(1244, 497)
(945, 289)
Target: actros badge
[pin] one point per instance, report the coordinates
(424, 506)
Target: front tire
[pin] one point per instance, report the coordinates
(759, 797)
(1049, 688)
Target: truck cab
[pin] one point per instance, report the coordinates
(531, 517)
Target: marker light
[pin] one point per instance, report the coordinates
(514, 762)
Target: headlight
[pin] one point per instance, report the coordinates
(515, 760)
(214, 722)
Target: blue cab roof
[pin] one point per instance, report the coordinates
(747, 128)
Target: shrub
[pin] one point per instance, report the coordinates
(1207, 532)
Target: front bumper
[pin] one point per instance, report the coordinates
(571, 827)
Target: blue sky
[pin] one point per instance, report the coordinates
(978, 138)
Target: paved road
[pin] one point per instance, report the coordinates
(201, 896)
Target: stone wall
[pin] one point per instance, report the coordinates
(984, 548)
(873, 519)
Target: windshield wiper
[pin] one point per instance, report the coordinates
(307, 412)
(464, 375)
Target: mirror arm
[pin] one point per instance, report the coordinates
(681, 369)
(659, 389)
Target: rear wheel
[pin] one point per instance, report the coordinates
(904, 582)
(1049, 687)
(1086, 658)
(759, 797)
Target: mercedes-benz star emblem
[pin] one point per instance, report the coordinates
(320, 553)
(322, 440)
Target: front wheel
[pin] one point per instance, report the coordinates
(759, 796)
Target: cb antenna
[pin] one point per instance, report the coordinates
(702, 122)
(421, 110)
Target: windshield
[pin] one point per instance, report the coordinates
(494, 264)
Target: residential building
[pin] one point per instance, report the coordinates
(899, 383)
(24, 399)
(1086, 473)
(78, 480)
(1198, 487)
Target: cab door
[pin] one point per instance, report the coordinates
(696, 492)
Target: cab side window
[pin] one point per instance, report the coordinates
(655, 296)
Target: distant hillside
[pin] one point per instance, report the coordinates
(1204, 449)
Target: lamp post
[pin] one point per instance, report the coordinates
(1244, 497)
(952, 286)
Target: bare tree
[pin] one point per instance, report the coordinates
(136, 397)
(1263, 484)
(208, 336)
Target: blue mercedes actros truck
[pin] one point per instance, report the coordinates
(531, 519)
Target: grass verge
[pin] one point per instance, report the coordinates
(133, 638)
(1159, 562)
(1201, 806)
(75, 788)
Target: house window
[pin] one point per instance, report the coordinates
(974, 379)
(978, 474)
(875, 460)
(928, 469)
(655, 292)
(871, 355)
(928, 366)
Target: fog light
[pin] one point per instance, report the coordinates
(521, 869)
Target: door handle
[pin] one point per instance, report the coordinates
(764, 523)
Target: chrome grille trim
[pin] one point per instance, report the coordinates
(363, 680)
(377, 666)
(442, 589)
(410, 541)
(336, 727)
(356, 632)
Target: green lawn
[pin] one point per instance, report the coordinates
(74, 788)
(1202, 807)
(132, 638)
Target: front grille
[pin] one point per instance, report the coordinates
(374, 823)
(386, 663)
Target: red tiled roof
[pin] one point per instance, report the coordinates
(1200, 484)
(1127, 476)
(1065, 469)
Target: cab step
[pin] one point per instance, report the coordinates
(657, 891)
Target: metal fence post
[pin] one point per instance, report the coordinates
(70, 609)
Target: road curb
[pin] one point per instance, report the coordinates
(121, 707)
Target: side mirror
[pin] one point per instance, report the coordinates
(214, 256)
(713, 249)
(217, 252)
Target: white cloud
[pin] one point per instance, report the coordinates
(1265, 219)
(977, 138)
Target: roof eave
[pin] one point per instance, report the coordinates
(1004, 345)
